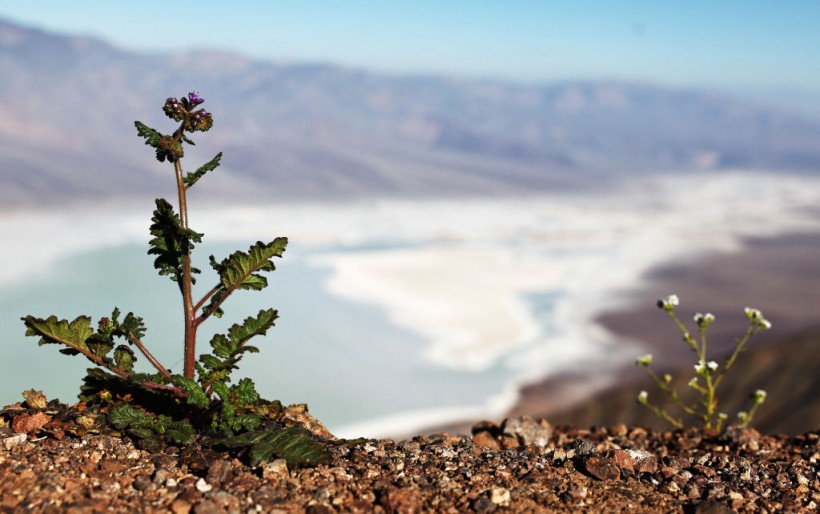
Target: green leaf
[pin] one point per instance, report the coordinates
(151, 136)
(293, 444)
(124, 416)
(124, 358)
(99, 345)
(228, 348)
(181, 432)
(209, 361)
(239, 270)
(52, 330)
(171, 242)
(191, 178)
(246, 391)
(131, 325)
(196, 396)
(245, 421)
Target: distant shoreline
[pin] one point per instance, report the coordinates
(779, 275)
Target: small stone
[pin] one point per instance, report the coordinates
(578, 493)
(601, 468)
(401, 501)
(277, 468)
(133, 455)
(500, 496)
(528, 431)
(509, 442)
(180, 507)
(486, 440)
(583, 447)
(219, 472)
(160, 476)
(141, 482)
(482, 505)
(171, 482)
(623, 460)
(15, 440)
(693, 492)
(202, 486)
(644, 462)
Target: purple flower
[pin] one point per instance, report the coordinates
(194, 98)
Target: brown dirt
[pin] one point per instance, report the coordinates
(522, 465)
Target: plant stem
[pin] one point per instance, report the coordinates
(187, 302)
(148, 355)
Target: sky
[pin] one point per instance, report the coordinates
(716, 43)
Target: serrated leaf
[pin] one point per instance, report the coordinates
(124, 358)
(232, 345)
(246, 391)
(245, 421)
(196, 396)
(293, 444)
(151, 136)
(191, 178)
(239, 270)
(209, 361)
(171, 241)
(221, 390)
(99, 345)
(181, 432)
(59, 331)
(132, 325)
(124, 416)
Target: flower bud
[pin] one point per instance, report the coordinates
(174, 109)
(759, 396)
(200, 120)
(644, 361)
(643, 397)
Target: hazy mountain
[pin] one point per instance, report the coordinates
(67, 106)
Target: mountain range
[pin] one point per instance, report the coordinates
(68, 103)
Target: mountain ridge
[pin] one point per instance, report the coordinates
(67, 106)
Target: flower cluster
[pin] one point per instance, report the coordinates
(708, 373)
(182, 110)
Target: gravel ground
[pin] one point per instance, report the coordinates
(519, 465)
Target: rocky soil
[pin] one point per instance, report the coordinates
(521, 465)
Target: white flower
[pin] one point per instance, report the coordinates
(712, 365)
(643, 397)
(764, 323)
(752, 313)
(759, 396)
(644, 361)
(700, 368)
(704, 319)
(669, 302)
(694, 383)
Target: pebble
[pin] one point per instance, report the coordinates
(528, 431)
(500, 496)
(277, 468)
(202, 486)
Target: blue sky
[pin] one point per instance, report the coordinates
(729, 43)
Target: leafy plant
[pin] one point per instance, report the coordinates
(162, 407)
(708, 373)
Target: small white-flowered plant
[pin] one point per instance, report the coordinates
(708, 373)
